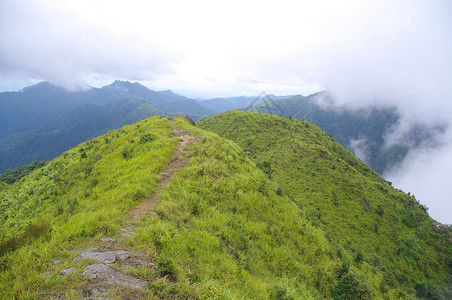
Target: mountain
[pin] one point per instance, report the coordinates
(219, 105)
(42, 121)
(36, 105)
(163, 209)
(82, 123)
(33, 106)
(384, 228)
(188, 107)
(364, 131)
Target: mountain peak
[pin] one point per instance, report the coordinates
(120, 83)
(127, 86)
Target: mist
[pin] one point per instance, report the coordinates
(396, 53)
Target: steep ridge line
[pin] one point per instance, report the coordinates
(179, 160)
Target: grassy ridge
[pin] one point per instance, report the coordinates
(357, 208)
(222, 231)
(75, 198)
(223, 228)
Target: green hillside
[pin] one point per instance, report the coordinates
(358, 209)
(221, 229)
(187, 214)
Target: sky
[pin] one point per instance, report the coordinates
(364, 52)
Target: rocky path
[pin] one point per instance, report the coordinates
(108, 273)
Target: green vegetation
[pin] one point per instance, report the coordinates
(11, 176)
(75, 198)
(222, 231)
(383, 227)
(3, 186)
(227, 226)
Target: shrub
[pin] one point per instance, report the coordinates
(125, 152)
(167, 268)
(148, 137)
(280, 293)
(349, 287)
(266, 167)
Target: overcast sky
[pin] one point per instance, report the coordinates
(384, 51)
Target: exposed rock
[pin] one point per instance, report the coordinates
(107, 240)
(96, 292)
(122, 255)
(67, 271)
(56, 261)
(110, 276)
(106, 257)
(127, 265)
(441, 228)
(127, 232)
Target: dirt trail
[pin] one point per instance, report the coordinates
(179, 160)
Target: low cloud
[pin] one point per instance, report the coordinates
(426, 173)
(360, 148)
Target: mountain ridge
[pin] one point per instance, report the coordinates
(227, 225)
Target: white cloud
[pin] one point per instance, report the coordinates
(426, 173)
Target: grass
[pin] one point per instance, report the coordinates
(381, 226)
(79, 196)
(222, 231)
(230, 225)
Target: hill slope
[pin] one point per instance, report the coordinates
(219, 229)
(364, 131)
(215, 225)
(358, 209)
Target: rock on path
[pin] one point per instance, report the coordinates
(110, 276)
(105, 257)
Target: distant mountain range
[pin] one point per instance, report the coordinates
(36, 105)
(42, 121)
(220, 105)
